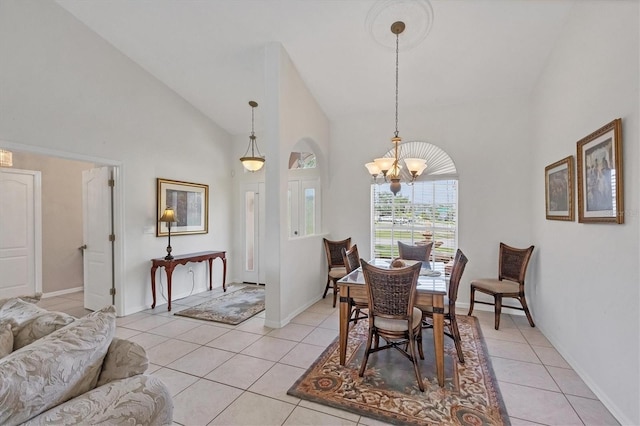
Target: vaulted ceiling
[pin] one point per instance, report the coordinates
(210, 52)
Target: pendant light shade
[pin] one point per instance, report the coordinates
(250, 160)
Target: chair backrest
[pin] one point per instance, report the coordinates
(333, 250)
(350, 258)
(459, 263)
(513, 263)
(392, 292)
(417, 252)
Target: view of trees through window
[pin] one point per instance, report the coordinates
(422, 212)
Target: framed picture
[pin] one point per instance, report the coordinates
(558, 189)
(190, 202)
(600, 186)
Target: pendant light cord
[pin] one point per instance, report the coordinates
(397, 53)
(253, 136)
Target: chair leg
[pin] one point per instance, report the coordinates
(366, 352)
(419, 339)
(335, 292)
(472, 299)
(326, 287)
(523, 302)
(453, 325)
(356, 315)
(414, 359)
(498, 310)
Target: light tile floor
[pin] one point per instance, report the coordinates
(239, 375)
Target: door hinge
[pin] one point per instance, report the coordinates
(111, 182)
(112, 291)
(112, 237)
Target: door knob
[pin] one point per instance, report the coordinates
(82, 247)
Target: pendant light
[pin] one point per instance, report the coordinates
(252, 162)
(390, 166)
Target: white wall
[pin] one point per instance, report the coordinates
(295, 271)
(586, 279)
(66, 90)
(490, 146)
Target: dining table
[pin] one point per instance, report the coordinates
(432, 288)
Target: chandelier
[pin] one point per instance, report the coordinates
(390, 166)
(252, 162)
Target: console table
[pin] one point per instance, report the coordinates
(183, 259)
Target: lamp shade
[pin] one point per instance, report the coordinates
(373, 168)
(384, 164)
(252, 164)
(415, 165)
(169, 215)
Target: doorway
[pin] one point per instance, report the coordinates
(253, 271)
(61, 227)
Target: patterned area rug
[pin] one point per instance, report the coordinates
(231, 308)
(389, 391)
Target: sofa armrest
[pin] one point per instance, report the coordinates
(124, 359)
(136, 400)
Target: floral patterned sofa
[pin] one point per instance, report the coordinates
(56, 369)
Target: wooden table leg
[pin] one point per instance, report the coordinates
(210, 273)
(344, 322)
(169, 270)
(224, 274)
(438, 335)
(153, 285)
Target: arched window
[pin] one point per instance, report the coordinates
(424, 211)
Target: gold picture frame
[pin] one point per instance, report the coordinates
(600, 180)
(558, 190)
(190, 202)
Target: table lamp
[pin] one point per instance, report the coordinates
(168, 216)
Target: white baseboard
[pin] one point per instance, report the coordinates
(62, 292)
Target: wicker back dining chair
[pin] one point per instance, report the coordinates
(351, 260)
(459, 263)
(335, 264)
(392, 314)
(418, 252)
(512, 269)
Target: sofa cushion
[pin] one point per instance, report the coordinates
(124, 359)
(55, 368)
(30, 322)
(138, 400)
(31, 299)
(6, 339)
(40, 326)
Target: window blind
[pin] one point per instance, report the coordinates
(423, 212)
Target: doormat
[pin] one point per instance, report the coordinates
(230, 308)
(388, 391)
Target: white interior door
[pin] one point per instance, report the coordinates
(253, 270)
(20, 233)
(97, 254)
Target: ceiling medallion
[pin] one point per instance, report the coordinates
(416, 14)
